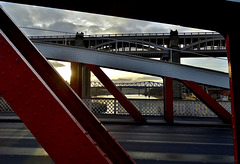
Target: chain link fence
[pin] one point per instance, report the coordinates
(150, 107)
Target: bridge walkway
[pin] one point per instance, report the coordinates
(192, 141)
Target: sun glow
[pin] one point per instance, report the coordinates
(63, 68)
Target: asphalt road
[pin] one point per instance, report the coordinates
(148, 144)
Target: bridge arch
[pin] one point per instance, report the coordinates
(207, 44)
(138, 45)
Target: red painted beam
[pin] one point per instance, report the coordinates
(122, 99)
(63, 91)
(211, 103)
(232, 45)
(64, 139)
(168, 100)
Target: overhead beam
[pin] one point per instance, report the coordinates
(134, 64)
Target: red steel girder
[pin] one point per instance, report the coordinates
(232, 45)
(64, 92)
(211, 103)
(64, 139)
(168, 100)
(111, 87)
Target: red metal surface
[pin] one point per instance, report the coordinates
(64, 92)
(168, 100)
(208, 101)
(234, 79)
(122, 99)
(64, 139)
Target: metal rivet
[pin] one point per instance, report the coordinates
(44, 125)
(34, 97)
(11, 83)
(17, 60)
(9, 52)
(77, 133)
(2, 58)
(1, 43)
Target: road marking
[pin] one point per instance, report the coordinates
(22, 151)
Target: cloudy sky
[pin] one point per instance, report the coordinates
(72, 22)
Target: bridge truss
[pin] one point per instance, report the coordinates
(56, 116)
(148, 44)
(142, 84)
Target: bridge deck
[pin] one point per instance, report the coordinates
(155, 142)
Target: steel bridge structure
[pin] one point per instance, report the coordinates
(153, 45)
(65, 127)
(142, 84)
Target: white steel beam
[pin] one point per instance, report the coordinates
(134, 64)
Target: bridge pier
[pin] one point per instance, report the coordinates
(175, 57)
(81, 77)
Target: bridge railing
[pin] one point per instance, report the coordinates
(150, 107)
(154, 107)
(123, 35)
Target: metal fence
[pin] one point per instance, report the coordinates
(154, 107)
(150, 107)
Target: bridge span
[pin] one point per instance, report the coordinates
(147, 44)
(69, 132)
(133, 64)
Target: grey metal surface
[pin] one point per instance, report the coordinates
(134, 64)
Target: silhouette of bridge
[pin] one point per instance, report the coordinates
(148, 44)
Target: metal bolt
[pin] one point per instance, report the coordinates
(10, 67)
(9, 52)
(2, 58)
(17, 60)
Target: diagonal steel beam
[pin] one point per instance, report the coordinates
(111, 87)
(134, 64)
(63, 91)
(211, 103)
(42, 112)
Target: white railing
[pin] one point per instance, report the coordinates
(151, 107)
(154, 107)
